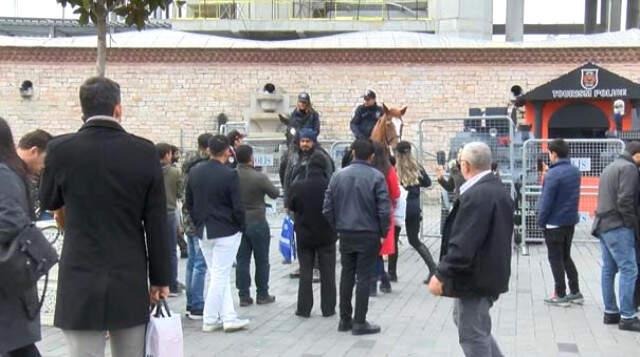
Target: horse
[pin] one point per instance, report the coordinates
(388, 128)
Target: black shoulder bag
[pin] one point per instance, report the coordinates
(24, 260)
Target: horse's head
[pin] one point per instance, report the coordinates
(392, 119)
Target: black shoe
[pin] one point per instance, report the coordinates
(385, 288)
(328, 314)
(246, 301)
(629, 324)
(365, 329)
(195, 315)
(345, 325)
(184, 255)
(301, 314)
(611, 319)
(267, 299)
(393, 278)
(295, 274)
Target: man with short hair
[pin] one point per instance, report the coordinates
(357, 206)
(366, 116)
(110, 184)
(235, 140)
(616, 224)
(475, 258)
(213, 201)
(557, 216)
(32, 149)
(254, 185)
(173, 188)
(196, 265)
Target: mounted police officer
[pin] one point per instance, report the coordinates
(366, 116)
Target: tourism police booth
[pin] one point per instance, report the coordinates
(594, 109)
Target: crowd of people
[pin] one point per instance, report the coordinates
(124, 219)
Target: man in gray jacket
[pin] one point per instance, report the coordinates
(357, 206)
(616, 225)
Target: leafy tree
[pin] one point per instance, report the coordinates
(135, 12)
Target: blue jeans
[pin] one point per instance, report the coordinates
(196, 272)
(619, 255)
(256, 240)
(172, 225)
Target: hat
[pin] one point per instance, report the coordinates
(307, 133)
(369, 94)
(317, 161)
(403, 147)
(632, 147)
(304, 97)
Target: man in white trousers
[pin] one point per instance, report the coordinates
(213, 202)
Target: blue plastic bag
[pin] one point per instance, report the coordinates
(288, 240)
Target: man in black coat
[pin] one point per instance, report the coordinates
(110, 185)
(315, 238)
(475, 261)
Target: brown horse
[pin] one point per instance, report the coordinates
(388, 128)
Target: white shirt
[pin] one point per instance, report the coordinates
(472, 181)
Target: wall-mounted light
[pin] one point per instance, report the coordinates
(26, 89)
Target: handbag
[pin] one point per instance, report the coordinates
(164, 333)
(24, 260)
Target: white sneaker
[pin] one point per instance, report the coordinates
(235, 325)
(212, 327)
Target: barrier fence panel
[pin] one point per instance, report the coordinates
(591, 156)
(438, 143)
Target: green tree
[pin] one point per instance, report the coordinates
(135, 12)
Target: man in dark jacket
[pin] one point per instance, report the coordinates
(254, 185)
(315, 238)
(357, 206)
(616, 224)
(213, 201)
(475, 261)
(110, 184)
(297, 167)
(557, 216)
(196, 265)
(366, 116)
(304, 116)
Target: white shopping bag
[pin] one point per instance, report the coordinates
(400, 212)
(164, 333)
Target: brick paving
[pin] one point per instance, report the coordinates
(414, 323)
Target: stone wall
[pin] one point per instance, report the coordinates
(167, 99)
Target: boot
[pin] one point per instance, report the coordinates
(393, 264)
(428, 259)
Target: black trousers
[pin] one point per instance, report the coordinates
(326, 259)
(558, 242)
(256, 240)
(359, 252)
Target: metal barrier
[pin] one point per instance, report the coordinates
(439, 141)
(54, 236)
(346, 10)
(591, 156)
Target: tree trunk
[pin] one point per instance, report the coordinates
(101, 26)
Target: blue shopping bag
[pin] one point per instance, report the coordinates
(288, 240)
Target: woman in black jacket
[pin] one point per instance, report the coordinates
(315, 238)
(412, 178)
(19, 316)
